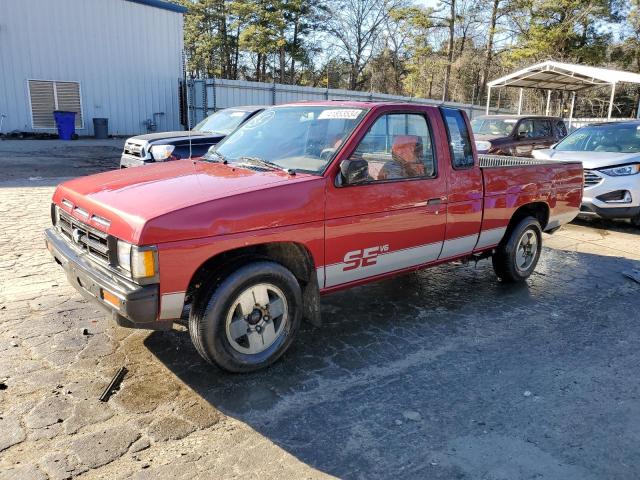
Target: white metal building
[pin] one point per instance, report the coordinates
(117, 59)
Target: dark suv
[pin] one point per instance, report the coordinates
(516, 135)
(165, 146)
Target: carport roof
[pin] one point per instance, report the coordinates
(551, 75)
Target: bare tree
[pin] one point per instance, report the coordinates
(356, 26)
(450, 22)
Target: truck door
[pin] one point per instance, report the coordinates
(395, 218)
(465, 195)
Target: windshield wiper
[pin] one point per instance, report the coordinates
(220, 158)
(265, 163)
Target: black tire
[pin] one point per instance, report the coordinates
(635, 221)
(207, 320)
(504, 259)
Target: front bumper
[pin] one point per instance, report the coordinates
(129, 161)
(589, 209)
(138, 305)
(592, 205)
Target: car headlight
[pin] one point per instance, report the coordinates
(483, 146)
(161, 152)
(141, 262)
(622, 170)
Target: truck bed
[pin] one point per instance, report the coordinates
(512, 181)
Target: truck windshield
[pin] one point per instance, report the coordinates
(223, 122)
(301, 138)
(603, 138)
(493, 126)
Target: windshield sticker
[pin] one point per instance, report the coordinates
(509, 120)
(236, 114)
(339, 114)
(260, 119)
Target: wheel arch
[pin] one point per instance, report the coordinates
(292, 255)
(539, 210)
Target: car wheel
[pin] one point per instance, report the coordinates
(247, 320)
(517, 255)
(635, 221)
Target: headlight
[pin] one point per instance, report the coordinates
(139, 261)
(622, 170)
(161, 152)
(483, 146)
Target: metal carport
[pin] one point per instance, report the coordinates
(551, 75)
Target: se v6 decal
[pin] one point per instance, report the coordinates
(363, 258)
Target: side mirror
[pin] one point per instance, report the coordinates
(354, 172)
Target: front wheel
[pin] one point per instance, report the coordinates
(248, 319)
(517, 255)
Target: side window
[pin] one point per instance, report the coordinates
(541, 128)
(459, 140)
(525, 129)
(397, 146)
(562, 128)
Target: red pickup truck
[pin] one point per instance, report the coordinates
(302, 200)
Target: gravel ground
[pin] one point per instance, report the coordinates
(442, 374)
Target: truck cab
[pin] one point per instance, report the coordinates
(301, 201)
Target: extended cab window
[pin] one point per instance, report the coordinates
(459, 141)
(397, 146)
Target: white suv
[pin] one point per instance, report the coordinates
(610, 155)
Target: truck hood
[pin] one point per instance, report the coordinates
(130, 198)
(590, 160)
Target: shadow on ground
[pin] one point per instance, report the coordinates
(448, 373)
(622, 226)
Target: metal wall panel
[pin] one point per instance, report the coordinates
(208, 95)
(126, 56)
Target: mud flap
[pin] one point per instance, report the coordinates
(311, 302)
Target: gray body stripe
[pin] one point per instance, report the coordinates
(491, 237)
(171, 305)
(320, 275)
(458, 246)
(386, 262)
(557, 220)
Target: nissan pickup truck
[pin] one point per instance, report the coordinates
(302, 200)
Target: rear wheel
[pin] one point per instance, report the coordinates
(517, 255)
(248, 319)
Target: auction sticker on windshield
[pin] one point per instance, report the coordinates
(340, 113)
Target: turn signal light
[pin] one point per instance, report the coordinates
(110, 298)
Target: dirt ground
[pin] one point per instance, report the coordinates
(443, 374)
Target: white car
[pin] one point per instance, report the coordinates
(610, 155)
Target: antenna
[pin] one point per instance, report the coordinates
(189, 117)
(189, 84)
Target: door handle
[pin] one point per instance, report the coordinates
(434, 201)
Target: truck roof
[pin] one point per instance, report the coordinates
(348, 103)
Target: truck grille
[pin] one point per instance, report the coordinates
(134, 149)
(93, 241)
(591, 179)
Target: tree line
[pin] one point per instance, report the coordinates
(447, 51)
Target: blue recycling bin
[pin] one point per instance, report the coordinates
(66, 124)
